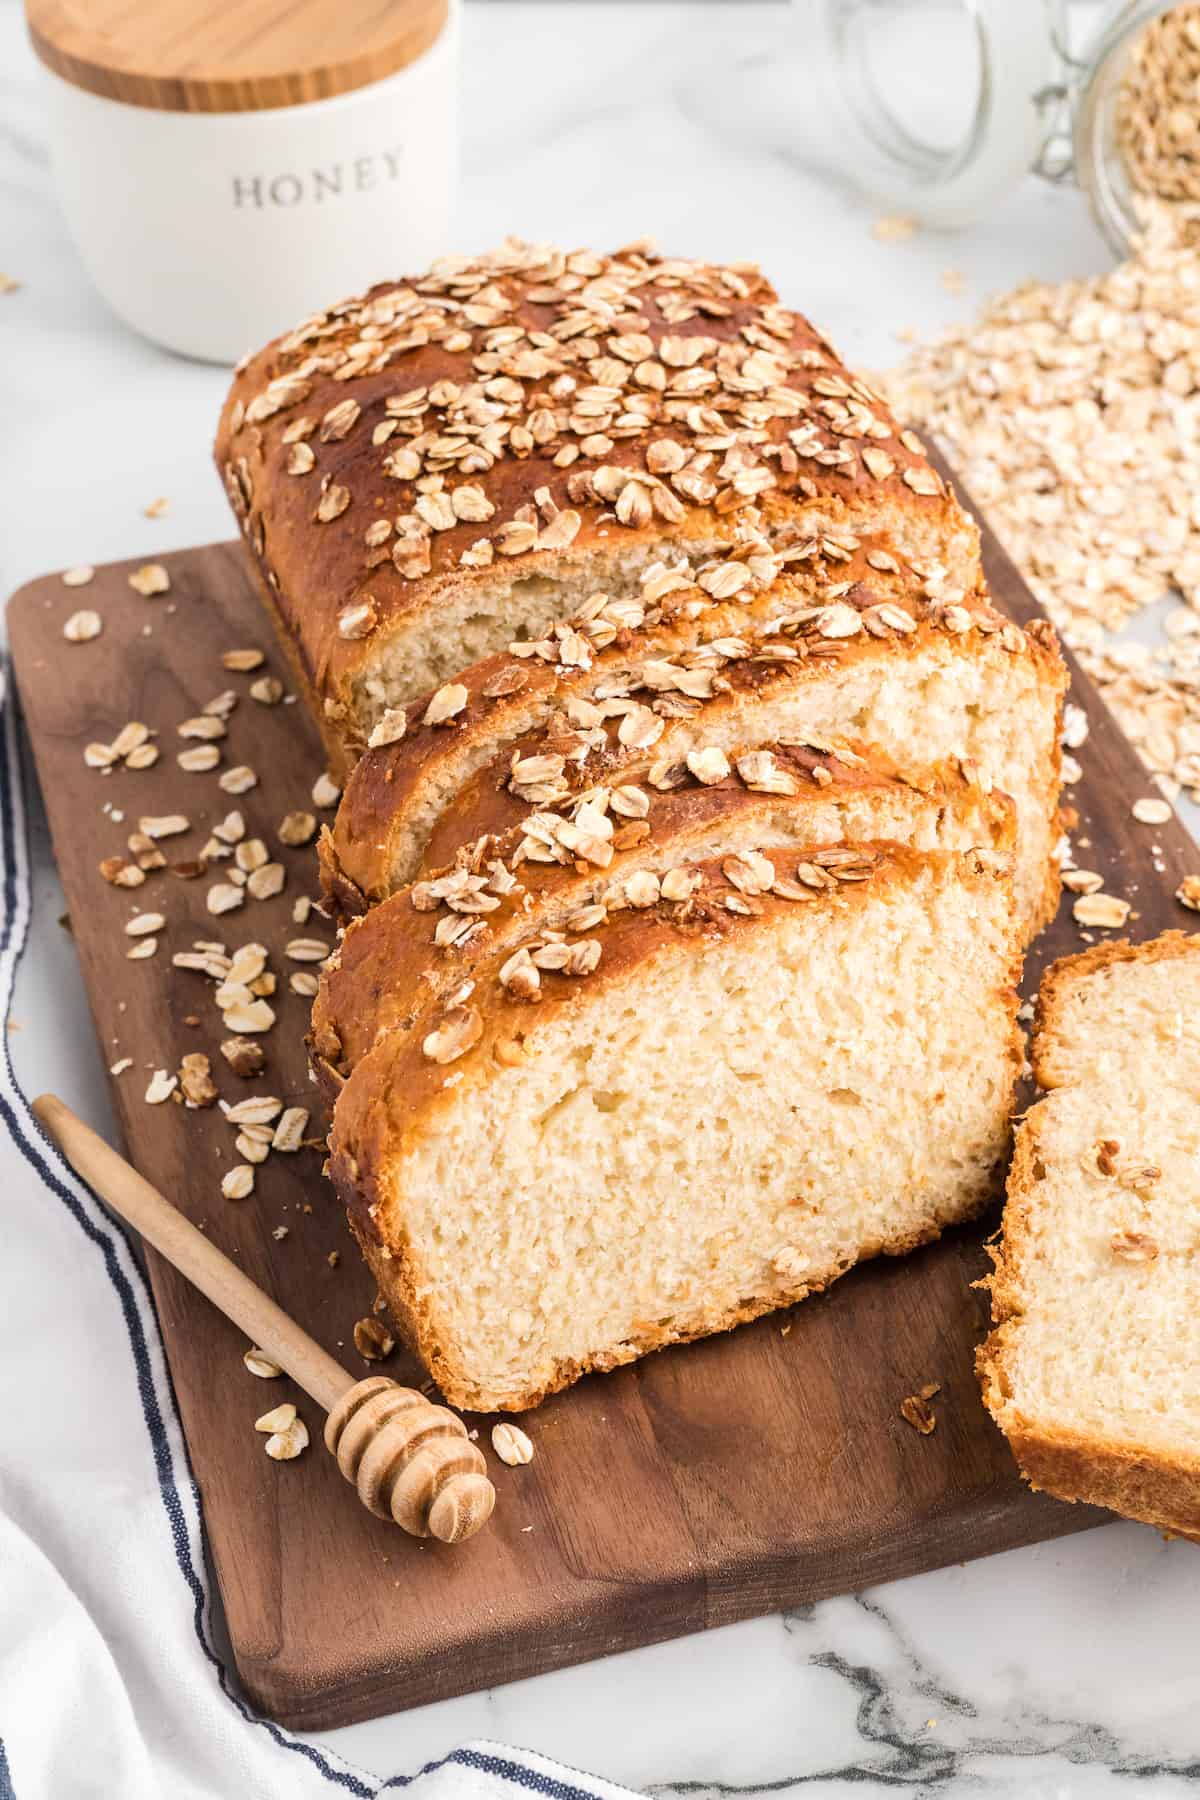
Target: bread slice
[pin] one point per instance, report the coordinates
(918, 684)
(611, 849)
(724, 1104)
(1093, 1369)
(447, 462)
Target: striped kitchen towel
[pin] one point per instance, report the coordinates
(111, 1680)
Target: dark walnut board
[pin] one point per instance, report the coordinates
(761, 1469)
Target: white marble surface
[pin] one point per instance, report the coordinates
(1068, 1670)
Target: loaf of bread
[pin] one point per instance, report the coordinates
(614, 848)
(698, 801)
(1093, 1369)
(917, 680)
(707, 1107)
(450, 462)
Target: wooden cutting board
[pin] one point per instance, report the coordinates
(762, 1469)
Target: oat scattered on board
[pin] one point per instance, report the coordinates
(260, 1364)
(161, 1087)
(1104, 911)
(150, 580)
(288, 1434)
(82, 627)
(238, 780)
(284, 1446)
(238, 1183)
(289, 1132)
(511, 1444)
(297, 828)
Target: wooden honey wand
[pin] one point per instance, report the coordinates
(411, 1461)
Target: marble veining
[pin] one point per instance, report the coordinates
(1061, 1671)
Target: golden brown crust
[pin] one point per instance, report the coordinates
(1062, 975)
(396, 1093)
(1138, 1482)
(541, 383)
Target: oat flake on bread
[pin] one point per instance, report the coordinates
(1072, 413)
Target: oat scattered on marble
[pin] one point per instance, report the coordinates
(1070, 410)
(893, 228)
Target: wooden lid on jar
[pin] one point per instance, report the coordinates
(230, 55)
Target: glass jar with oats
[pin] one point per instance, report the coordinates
(938, 107)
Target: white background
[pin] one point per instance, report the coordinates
(1066, 1670)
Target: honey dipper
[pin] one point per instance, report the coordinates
(411, 1461)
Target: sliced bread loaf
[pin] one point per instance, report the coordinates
(619, 847)
(918, 683)
(1093, 1369)
(447, 462)
(723, 1104)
